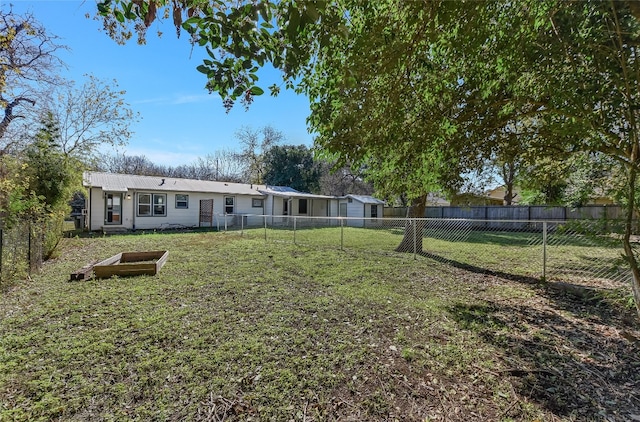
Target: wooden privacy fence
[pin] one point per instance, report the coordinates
(498, 212)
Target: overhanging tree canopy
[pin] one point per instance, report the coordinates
(419, 91)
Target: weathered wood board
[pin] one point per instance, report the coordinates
(131, 264)
(83, 273)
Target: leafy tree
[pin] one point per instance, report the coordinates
(418, 92)
(50, 172)
(293, 166)
(91, 116)
(340, 181)
(126, 164)
(52, 177)
(28, 68)
(254, 145)
(590, 176)
(17, 201)
(223, 165)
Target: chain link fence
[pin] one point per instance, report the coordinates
(576, 251)
(23, 248)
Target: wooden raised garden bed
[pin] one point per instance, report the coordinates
(130, 264)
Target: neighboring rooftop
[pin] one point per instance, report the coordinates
(287, 192)
(366, 199)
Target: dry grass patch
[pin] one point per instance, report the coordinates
(240, 329)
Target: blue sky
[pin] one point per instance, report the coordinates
(180, 120)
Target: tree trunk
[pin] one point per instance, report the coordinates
(628, 249)
(508, 174)
(414, 229)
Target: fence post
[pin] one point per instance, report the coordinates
(415, 244)
(294, 229)
(544, 250)
(29, 248)
(265, 228)
(1, 248)
(241, 225)
(225, 222)
(342, 234)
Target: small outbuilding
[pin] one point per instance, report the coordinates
(360, 210)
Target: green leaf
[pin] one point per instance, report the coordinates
(262, 7)
(104, 7)
(256, 90)
(238, 91)
(119, 16)
(294, 22)
(127, 11)
(203, 69)
(311, 12)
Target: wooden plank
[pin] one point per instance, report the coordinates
(141, 256)
(124, 270)
(110, 261)
(83, 273)
(131, 264)
(161, 261)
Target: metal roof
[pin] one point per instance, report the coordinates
(287, 192)
(366, 199)
(125, 182)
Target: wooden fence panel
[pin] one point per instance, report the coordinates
(536, 212)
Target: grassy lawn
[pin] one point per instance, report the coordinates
(571, 257)
(236, 328)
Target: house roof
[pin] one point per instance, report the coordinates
(435, 199)
(287, 192)
(125, 182)
(366, 199)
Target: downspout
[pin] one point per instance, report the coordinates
(133, 210)
(89, 208)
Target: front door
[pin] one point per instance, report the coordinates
(206, 213)
(113, 208)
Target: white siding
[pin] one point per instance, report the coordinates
(333, 208)
(355, 209)
(175, 217)
(319, 207)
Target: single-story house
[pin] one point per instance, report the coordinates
(129, 202)
(123, 201)
(360, 209)
(286, 201)
(283, 200)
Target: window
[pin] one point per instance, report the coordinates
(374, 211)
(113, 208)
(159, 205)
(228, 204)
(182, 201)
(144, 204)
(152, 205)
(256, 203)
(350, 200)
(302, 206)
